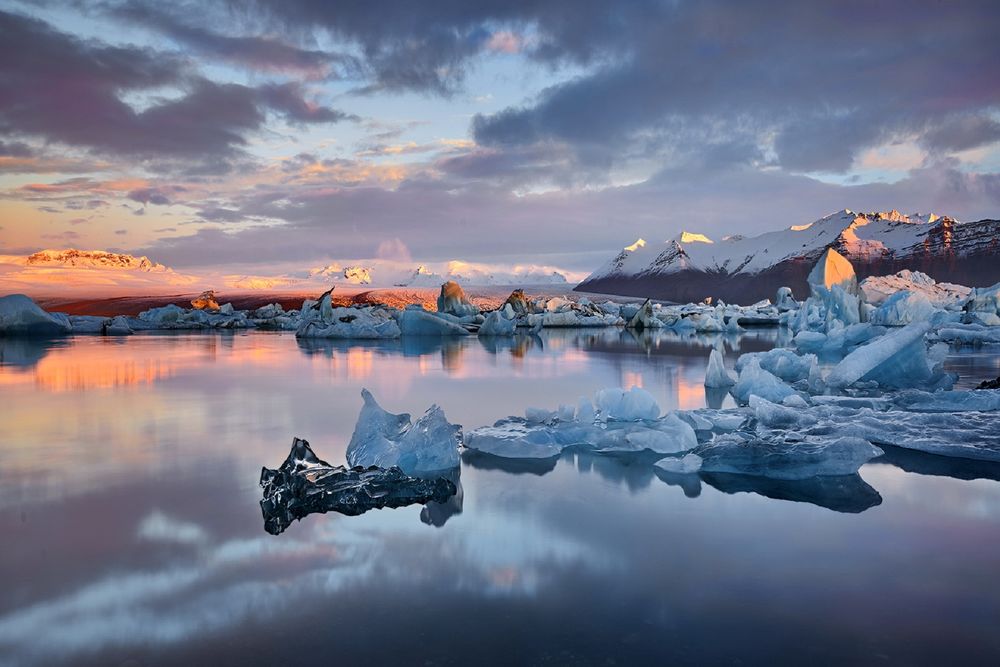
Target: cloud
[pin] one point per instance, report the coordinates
(816, 88)
(393, 250)
(256, 52)
(71, 91)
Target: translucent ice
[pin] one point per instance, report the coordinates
(384, 439)
(774, 455)
(716, 375)
(903, 308)
(419, 322)
(20, 316)
(784, 364)
(496, 324)
(619, 404)
(754, 380)
(898, 359)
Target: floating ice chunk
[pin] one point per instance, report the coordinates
(117, 326)
(496, 324)
(773, 415)
(948, 401)
(784, 300)
(20, 316)
(383, 439)
(683, 465)
(621, 405)
(644, 318)
(452, 300)
(205, 301)
(832, 270)
(716, 375)
(667, 435)
(772, 455)
(304, 484)
(969, 435)
(968, 334)
(984, 300)
(539, 415)
(809, 341)
(87, 324)
(754, 380)
(903, 308)
(349, 323)
(419, 322)
(514, 439)
(877, 289)
(585, 411)
(898, 359)
(785, 364)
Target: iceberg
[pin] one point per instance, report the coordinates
(877, 289)
(518, 438)
(784, 301)
(621, 405)
(384, 439)
(20, 316)
(415, 321)
(496, 324)
(304, 484)
(716, 375)
(777, 456)
(903, 308)
(361, 323)
(896, 360)
(755, 381)
(782, 363)
(452, 300)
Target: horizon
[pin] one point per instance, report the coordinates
(298, 137)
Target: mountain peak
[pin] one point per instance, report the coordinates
(692, 237)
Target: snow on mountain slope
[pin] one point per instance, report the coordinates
(466, 273)
(692, 266)
(98, 271)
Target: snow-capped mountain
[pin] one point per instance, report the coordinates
(353, 275)
(690, 267)
(57, 272)
(93, 259)
(480, 275)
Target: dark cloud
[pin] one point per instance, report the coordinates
(259, 52)
(823, 84)
(15, 149)
(150, 196)
(963, 132)
(67, 90)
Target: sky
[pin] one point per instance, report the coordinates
(258, 136)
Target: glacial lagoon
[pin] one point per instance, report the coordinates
(129, 505)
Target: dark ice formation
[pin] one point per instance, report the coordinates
(305, 484)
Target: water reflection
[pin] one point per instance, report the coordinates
(129, 510)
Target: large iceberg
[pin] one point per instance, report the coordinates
(903, 308)
(305, 484)
(20, 316)
(896, 360)
(384, 439)
(877, 289)
(415, 321)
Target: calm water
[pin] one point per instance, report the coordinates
(132, 532)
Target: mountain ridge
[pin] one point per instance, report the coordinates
(691, 267)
